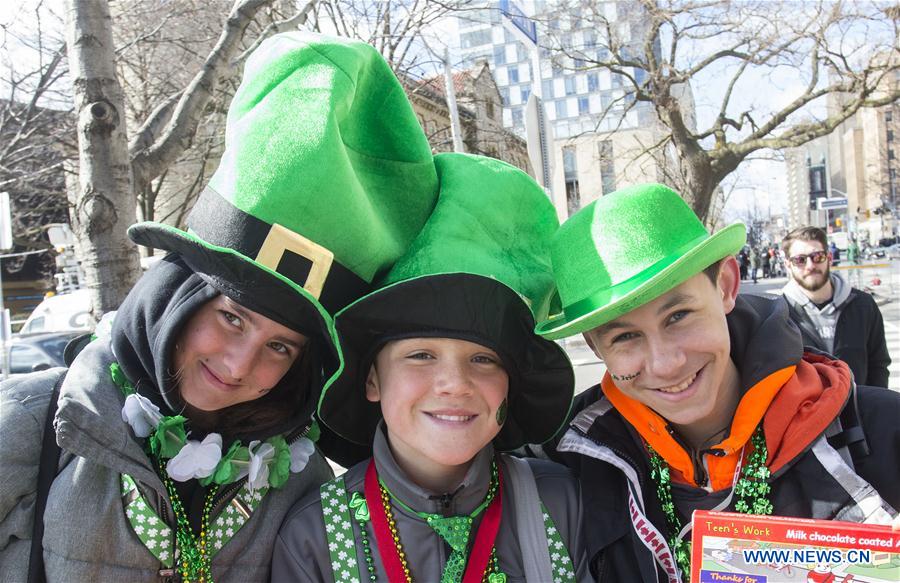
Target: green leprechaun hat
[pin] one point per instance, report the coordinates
(626, 249)
(478, 271)
(325, 180)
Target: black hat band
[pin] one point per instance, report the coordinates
(304, 262)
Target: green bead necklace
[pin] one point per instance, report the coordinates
(194, 560)
(752, 491)
(492, 573)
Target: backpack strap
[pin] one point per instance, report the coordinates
(339, 531)
(49, 464)
(846, 434)
(544, 555)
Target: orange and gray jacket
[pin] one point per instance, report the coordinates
(825, 463)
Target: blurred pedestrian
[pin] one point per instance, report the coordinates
(834, 317)
(754, 262)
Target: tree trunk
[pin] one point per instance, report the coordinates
(104, 204)
(701, 184)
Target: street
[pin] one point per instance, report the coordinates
(589, 369)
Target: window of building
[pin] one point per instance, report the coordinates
(590, 39)
(489, 109)
(500, 55)
(890, 154)
(605, 100)
(521, 52)
(583, 106)
(817, 180)
(639, 76)
(593, 81)
(517, 118)
(888, 116)
(504, 95)
(513, 74)
(570, 171)
(616, 80)
(570, 85)
(580, 64)
(561, 109)
(547, 88)
(607, 167)
(890, 135)
(526, 93)
(557, 68)
(475, 38)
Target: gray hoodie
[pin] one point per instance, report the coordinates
(87, 536)
(301, 550)
(825, 319)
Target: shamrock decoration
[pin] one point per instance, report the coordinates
(360, 509)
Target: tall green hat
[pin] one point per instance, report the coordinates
(478, 271)
(326, 179)
(624, 250)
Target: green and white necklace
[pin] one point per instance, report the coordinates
(751, 489)
(265, 465)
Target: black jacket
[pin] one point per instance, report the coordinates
(858, 338)
(623, 516)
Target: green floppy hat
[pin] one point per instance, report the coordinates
(478, 271)
(624, 250)
(325, 180)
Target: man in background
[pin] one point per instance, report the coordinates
(833, 316)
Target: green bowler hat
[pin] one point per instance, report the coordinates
(626, 249)
(325, 180)
(479, 271)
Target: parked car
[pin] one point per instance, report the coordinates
(34, 352)
(894, 251)
(874, 253)
(58, 313)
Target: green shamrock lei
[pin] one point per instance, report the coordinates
(752, 491)
(170, 437)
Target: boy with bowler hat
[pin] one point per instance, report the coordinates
(709, 400)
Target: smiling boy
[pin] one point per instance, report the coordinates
(709, 400)
(443, 372)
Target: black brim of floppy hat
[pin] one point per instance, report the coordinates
(461, 306)
(249, 283)
(617, 300)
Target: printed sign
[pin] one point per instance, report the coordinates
(738, 548)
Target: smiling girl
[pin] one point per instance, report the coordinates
(187, 428)
(443, 372)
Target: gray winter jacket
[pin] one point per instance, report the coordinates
(301, 549)
(87, 536)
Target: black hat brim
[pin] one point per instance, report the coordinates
(250, 284)
(454, 305)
